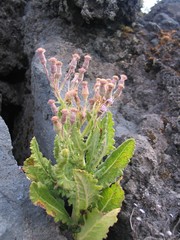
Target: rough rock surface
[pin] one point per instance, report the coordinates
(148, 52)
(94, 11)
(14, 84)
(19, 219)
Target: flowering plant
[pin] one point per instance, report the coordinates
(82, 189)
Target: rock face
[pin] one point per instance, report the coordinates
(95, 12)
(148, 53)
(19, 219)
(14, 84)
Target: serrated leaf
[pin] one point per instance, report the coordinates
(97, 225)
(113, 166)
(64, 178)
(106, 140)
(41, 196)
(111, 198)
(92, 144)
(109, 126)
(77, 139)
(37, 167)
(77, 145)
(57, 148)
(86, 190)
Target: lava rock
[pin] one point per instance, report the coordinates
(94, 12)
(19, 219)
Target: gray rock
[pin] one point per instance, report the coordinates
(152, 27)
(166, 21)
(19, 219)
(148, 109)
(101, 11)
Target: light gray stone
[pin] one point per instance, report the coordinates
(19, 218)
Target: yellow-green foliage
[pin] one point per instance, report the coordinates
(82, 189)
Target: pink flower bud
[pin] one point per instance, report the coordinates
(109, 80)
(102, 89)
(123, 77)
(64, 116)
(56, 123)
(53, 61)
(103, 109)
(85, 90)
(109, 90)
(96, 90)
(98, 80)
(114, 79)
(51, 101)
(68, 97)
(120, 86)
(73, 113)
(87, 59)
(74, 82)
(77, 99)
(118, 91)
(73, 63)
(59, 67)
(55, 119)
(54, 109)
(91, 103)
(42, 58)
(81, 74)
(76, 56)
(109, 102)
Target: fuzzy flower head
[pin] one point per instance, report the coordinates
(73, 106)
(42, 58)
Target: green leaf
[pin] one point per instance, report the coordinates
(106, 140)
(97, 225)
(57, 148)
(86, 190)
(111, 198)
(37, 167)
(92, 144)
(77, 139)
(64, 178)
(89, 125)
(108, 125)
(41, 196)
(113, 166)
(78, 147)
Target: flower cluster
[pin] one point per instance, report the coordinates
(75, 105)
